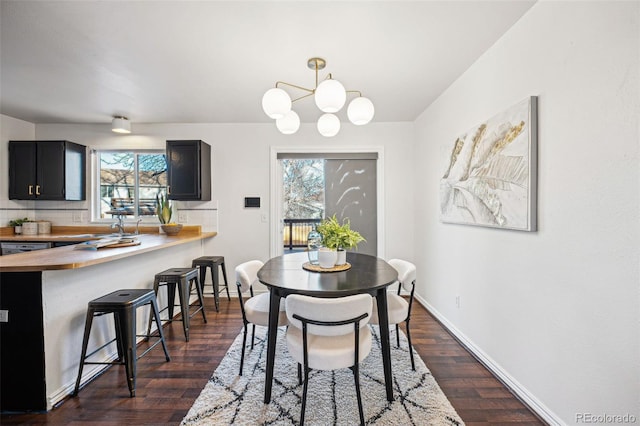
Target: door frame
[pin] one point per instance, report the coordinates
(276, 225)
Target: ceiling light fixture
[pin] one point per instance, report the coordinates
(330, 96)
(120, 125)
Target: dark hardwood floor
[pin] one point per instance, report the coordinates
(166, 390)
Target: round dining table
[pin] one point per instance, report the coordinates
(285, 275)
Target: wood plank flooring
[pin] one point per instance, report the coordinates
(166, 390)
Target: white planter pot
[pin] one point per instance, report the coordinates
(342, 257)
(327, 258)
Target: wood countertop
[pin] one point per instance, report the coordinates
(67, 257)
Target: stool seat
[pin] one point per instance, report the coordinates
(123, 305)
(212, 262)
(183, 278)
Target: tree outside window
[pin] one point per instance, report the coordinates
(130, 182)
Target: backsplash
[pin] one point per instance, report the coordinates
(65, 213)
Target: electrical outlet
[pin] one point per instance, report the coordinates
(77, 217)
(458, 302)
(4, 315)
(183, 217)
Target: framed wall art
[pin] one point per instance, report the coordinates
(490, 175)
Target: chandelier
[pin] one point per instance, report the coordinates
(330, 96)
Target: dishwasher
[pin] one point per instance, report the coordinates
(11, 248)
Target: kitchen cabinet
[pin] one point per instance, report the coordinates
(188, 170)
(47, 170)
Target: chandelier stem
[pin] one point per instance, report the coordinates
(302, 97)
(293, 85)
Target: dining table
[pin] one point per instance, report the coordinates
(285, 275)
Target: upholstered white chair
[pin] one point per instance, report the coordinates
(398, 308)
(329, 334)
(255, 310)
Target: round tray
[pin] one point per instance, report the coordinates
(316, 268)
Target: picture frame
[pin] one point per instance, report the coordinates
(490, 176)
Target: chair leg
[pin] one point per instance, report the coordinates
(156, 314)
(155, 290)
(413, 364)
(397, 336)
(356, 376)
(244, 344)
(85, 340)
(299, 373)
(304, 394)
(253, 334)
(125, 321)
(226, 284)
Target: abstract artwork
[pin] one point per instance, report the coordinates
(490, 177)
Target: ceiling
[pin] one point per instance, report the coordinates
(211, 61)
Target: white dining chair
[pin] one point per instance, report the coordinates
(255, 310)
(398, 308)
(329, 334)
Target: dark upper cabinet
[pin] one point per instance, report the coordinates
(47, 170)
(189, 170)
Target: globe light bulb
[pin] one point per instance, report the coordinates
(288, 124)
(328, 125)
(330, 96)
(360, 111)
(276, 103)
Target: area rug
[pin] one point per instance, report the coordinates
(231, 399)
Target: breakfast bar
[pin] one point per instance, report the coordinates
(44, 296)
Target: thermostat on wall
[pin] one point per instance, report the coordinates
(252, 201)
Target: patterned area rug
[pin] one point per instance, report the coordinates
(231, 399)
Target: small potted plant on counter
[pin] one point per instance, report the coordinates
(339, 237)
(164, 210)
(17, 224)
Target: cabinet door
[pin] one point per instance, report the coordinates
(185, 171)
(22, 170)
(50, 163)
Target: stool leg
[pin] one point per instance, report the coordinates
(203, 276)
(200, 298)
(171, 296)
(126, 322)
(85, 340)
(156, 284)
(226, 283)
(156, 314)
(183, 295)
(214, 277)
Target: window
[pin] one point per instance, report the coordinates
(128, 183)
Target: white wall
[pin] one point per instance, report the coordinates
(556, 312)
(240, 167)
(12, 129)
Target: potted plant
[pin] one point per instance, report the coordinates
(164, 210)
(339, 237)
(17, 224)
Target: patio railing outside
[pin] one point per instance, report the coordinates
(296, 231)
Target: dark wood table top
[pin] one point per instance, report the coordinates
(366, 275)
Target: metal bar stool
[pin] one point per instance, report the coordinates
(123, 305)
(212, 262)
(183, 278)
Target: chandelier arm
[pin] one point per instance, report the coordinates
(354, 91)
(302, 97)
(295, 86)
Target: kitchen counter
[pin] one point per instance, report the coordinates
(44, 296)
(68, 257)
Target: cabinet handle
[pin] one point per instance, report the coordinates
(30, 189)
(37, 189)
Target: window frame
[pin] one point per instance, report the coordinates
(96, 195)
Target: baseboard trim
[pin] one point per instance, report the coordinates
(535, 405)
